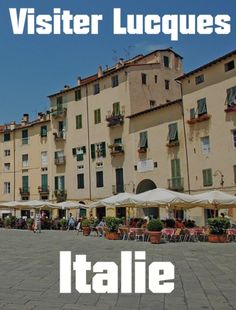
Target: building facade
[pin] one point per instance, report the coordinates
(133, 127)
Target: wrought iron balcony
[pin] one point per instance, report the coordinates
(176, 184)
(59, 112)
(59, 136)
(116, 149)
(61, 195)
(60, 160)
(24, 191)
(43, 189)
(114, 120)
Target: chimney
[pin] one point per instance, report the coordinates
(78, 80)
(66, 87)
(121, 61)
(100, 72)
(25, 119)
(13, 125)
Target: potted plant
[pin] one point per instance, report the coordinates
(155, 227)
(86, 227)
(218, 227)
(112, 224)
(29, 223)
(63, 223)
(7, 222)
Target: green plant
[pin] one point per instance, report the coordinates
(63, 223)
(112, 223)
(218, 225)
(86, 223)
(7, 221)
(155, 225)
(29, 222)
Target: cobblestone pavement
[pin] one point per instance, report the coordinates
(29, 276)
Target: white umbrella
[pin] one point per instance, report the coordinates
(115, 200)
(215, 199)
(69, 205)
(161, 196)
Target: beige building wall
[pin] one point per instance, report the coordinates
(221, 157)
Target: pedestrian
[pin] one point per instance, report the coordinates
(37, 223)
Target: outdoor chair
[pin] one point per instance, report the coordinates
(124, 233)
(167, 233)
(139, 234)
(231, 234)
(177, 235)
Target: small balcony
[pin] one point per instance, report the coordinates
(59, 136)
(116, 149)
(24, 191)
(61, 195)
(59, 112)
(172, 143)
(142, 150)
(60, 161)
(114, 120)
(231, 108)
(43, 190)
(200, 118)
(176, 184)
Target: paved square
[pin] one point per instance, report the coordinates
(29, 276)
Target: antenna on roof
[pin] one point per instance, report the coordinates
(127, 51)
(115, 57)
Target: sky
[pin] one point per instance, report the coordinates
(35, 66)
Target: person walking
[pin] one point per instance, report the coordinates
(37, 223)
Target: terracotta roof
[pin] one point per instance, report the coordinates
(127, 63)
(213, 62)
(164, 105)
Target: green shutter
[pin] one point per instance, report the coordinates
(80, 157)
(173, 132)
(78, 94)
(116, 108)
(93, 151)
(79, 121)
(175, 168)
(43, 131)
(143, 143)
(44, 182)
(103, 149)
(97, 116)
(192, 113)
(25, 183)
(207, 177)
(201, 106)
(74, 151)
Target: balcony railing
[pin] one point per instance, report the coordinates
(60, 160)
(231, 108)
(176, 184)
(116, 149)
(59, 112)
(173, 143)
(24, 191)
(201, 118)
(43, 189)
(59, 136)
(114, 120)
(60, 194)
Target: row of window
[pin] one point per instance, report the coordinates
(144, 81)
(227, 67)
(25, 134)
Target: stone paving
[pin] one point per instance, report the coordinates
(29, 273)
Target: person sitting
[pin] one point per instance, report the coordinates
(179, 224)
(100, 228)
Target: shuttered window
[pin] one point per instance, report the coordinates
(43, 131)
(80, 180)
(207, 177)
(99, 178)
(78, 120)
(78, 95)
(231, 96)
(143, 139)
(201, 106)
(173, 132)
(97, 116)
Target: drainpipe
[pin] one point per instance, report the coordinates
(14, 165)
(89, 151)
(185, 137)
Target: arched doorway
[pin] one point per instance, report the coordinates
(144, 186)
